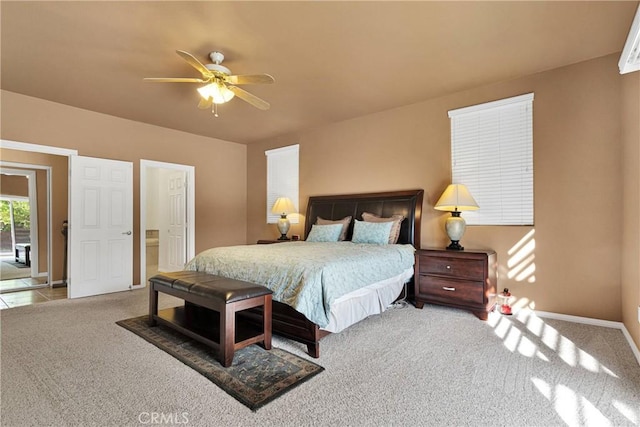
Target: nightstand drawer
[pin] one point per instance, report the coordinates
(451, 290)
(459, 268)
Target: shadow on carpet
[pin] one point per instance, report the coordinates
(255, 378)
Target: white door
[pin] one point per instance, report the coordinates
(100, 226)
(172, 243)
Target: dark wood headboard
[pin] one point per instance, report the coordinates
(407, 203)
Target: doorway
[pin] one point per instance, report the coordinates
(48, 165)
(167, 217)
(20, 239)
(15, 240)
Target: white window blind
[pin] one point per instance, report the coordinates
(282, 179)
(492, 154)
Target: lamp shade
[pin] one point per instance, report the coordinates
(283, 206)
(217, 91)
(456, 198)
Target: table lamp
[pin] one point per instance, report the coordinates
(456, 198)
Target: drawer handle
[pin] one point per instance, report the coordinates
(448, 267)
(446, 288)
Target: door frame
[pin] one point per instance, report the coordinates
(29, 172)
(190, 241)
(45, 149)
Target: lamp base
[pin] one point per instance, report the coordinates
(455, 246)
(283, 227)
(455, 227)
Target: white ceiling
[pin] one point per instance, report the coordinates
(332, 61)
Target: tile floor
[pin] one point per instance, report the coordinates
(21, 284)
(17, 292)
(31, 296)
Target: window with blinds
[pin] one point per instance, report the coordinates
(492, 154)
(282, 179)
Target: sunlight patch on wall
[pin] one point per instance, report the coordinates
(521, 303)
(521, 263)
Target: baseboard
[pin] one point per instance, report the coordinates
(595, 322)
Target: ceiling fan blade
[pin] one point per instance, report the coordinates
(173, 80)
(250, 98)
(250, 79)
(194, 62)
(205, 104)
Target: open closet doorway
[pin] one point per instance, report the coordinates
(167, 217)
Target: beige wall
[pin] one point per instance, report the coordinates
(631, 206)
(14, 185)
(577, 160)
(220, 166)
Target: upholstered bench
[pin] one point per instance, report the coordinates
(219, 294)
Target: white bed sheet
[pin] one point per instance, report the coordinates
(364, 302)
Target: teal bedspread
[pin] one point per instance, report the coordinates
(308, 276)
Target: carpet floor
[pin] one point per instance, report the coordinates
(68, 363)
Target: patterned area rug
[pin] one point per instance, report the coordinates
(255, 378)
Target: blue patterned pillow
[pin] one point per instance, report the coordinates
(371, 232)
(324, 233)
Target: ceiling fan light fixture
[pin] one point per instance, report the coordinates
(216, 91)
(220, 86)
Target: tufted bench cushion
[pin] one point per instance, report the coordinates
(223, 295)
(210, 286)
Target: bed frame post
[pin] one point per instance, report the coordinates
(314, 350)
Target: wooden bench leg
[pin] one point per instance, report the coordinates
(153, 304)
(266, 322)
(227, 335)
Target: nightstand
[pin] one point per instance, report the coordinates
(461, 279)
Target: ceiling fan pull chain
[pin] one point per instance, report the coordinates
(214, 110)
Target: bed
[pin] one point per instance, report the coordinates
(329, 301)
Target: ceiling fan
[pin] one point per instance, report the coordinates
(220, 85)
